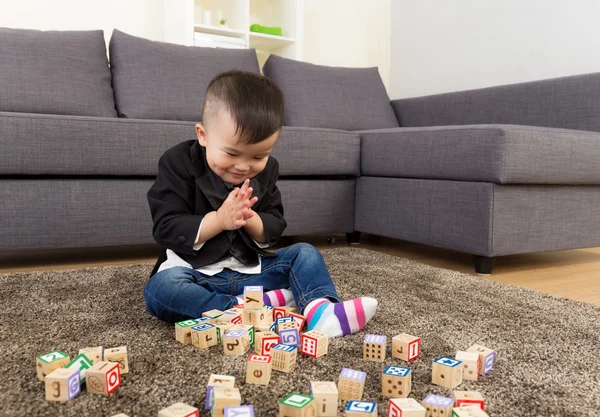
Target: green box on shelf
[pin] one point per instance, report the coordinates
(266, 29)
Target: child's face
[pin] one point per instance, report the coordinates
(231, 161)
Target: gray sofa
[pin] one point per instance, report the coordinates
(81, 141)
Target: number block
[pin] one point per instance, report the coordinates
(405, 407)
(406, 347)
(284, 357)
(82, 363)
(487, 357)
(253, 297)
(447, 372)
(241, 411)
(285, 323)
(95, 354)
(258, 369)
(257, 317)
(217, 381)
(361, 409)
(44, 364)
(351, 384)
(470, 362)
(62, 384)
(314, 343)
(213, 315)
(396, 382)
(469, 411)
(223, 397)
(436, 405)
(265, 341)
(374, 347)
(119, 355)
(326, 398)
(299, 319)
(297, 405)
(463, 398)
(236, 342)
(284, 311)
(204, 336)
(179, 410)
(103, 378)
(289, 337)
(183, 333)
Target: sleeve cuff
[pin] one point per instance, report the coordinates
(260, 245)
(199, 245)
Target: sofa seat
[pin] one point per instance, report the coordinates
(501, 154)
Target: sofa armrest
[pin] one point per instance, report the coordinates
(568, 102)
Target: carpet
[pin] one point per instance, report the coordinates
(547, 347)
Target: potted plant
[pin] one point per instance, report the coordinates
(223, 23)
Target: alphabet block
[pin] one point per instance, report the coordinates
(299, 319)
(256, 317)
(447, 372)
(297, 405)
(95, 354)
(213, 315)
(284, 311)
(233, 315)
(470, 363)
(325, 395)
(374, 347)
(258, 369)
(236, 342)
(241, 411)
(436, 405)
(62, 384)
(221, 330)
(351, 384)
(204, 336)
(361, 409)
(289, 337)
(82, 363)
(183, 331)
(463, 398)
(253, 297)
(314, 343)
(103, 378)
(487, 357)
(396, 382)
(284, 357)
(44, 364)
(249, 328)
(224, 397)
(469, 411)
(406, 347)
(217, 381)
(285, 323)
(405, 407)
(179, 410)
(119, 355)
(265, 341)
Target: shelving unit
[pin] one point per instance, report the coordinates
(185, 18)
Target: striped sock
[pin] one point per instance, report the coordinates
(279, 298)
(240, 299)
(339, 319)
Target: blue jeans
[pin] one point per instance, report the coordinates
(181, 293)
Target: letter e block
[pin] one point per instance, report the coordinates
(447, 372)
(258, 369)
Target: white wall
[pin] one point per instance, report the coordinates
(441, 46)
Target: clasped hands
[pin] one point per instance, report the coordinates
(236, 209)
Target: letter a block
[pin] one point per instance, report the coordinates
(44, 364)
(374, 347)
(447, 372)
(236, 342)
(103, 378)
(204, 336)
(314, 343)
(405, 407)
(396, 382)
(253, 297)
(487, 358)
(361, 409)
(62, 384)
(258, 369)
(470, 363)
(351, 384)
(241, 411)
(217, 381)
(406, 347)
(265, 341)
(463, 398)
(469, 411)
(179, 410)
(436, 405)
(284, 357)
(297, 405)
(326, 398)
(119, 355)
(224, 397)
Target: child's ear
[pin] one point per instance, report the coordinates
(201, 134)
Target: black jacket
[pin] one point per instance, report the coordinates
(186, 189)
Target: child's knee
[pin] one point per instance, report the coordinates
(307, 251)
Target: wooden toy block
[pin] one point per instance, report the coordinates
(82, 363)
(297, 405)
(314, 343)
(44, 364)
(279, 312)
(269, 310)
(285, 323)
(487, 357)
(256, 317)
(374, 347)
(463, 398)
(221, 330)
(253, 297)
(263, 328)
(289, 336)
(326, 398)
(249, 328)
(396, 382)
(213, 315)
(204, 336)
(95, 354)
(469, 411)
(183, 331)
(470, 362)
(118, 354)
(361, 409)
(284, 357)
(120, 415)
(217, 381)
(62, 384)
(351, 384)
(230, 316)
(241, 411)
(437, 406)
(224, 397)
(406, 347)
(405, 407)
(103, 378)
(299, 319)
(447, 372)
(265, 341)
(236, 342)
(258, 369)
(179, 410)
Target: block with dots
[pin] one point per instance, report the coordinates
(314, 343)
(351, 384)
(438, 406)
(447, 372)
(374, 347)
(470, 364)
(396, 382)
(487, 358)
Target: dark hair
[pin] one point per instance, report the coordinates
(254, 102)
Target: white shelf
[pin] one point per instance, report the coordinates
(216, 30)
(263, 41)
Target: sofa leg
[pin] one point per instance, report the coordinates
(483, 264)
(353, 238)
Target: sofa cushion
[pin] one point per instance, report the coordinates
(331, 97)
(157, 80)
(503, 154)
(55, 73)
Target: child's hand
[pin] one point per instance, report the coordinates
(235, 210)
